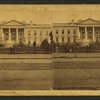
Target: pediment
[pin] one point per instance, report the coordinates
(89, 22)
(13, 23)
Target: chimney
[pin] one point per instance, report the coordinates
(72, 20)
(30, 22)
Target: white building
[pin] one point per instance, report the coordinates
(88, 29)
(14, 31)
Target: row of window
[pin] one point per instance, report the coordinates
(13, 33)
(68, 31)
(29, 32)
(36, 40)
(35, 34)
(63, 39)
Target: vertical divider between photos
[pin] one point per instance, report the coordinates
(52, 50)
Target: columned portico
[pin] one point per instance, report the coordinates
(88, 31)
(13, 34)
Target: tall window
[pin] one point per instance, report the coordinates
(68, 39)
(74, 31)
(62, 31)
(28, 41)
(56, 31)
(46, 32)
(97, 39)
(29, 32)
(74, 39)
(96, 32)
(62, 39)
(40, 32)
(34, 32)
(57, 39)
(68, 31)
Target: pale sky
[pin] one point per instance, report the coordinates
(45, 14)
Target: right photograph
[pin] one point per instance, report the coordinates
(76, 47)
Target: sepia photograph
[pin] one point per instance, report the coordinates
(50, 48)
(25, 48)
(76, 57)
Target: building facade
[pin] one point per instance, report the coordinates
(88, 29)
(21, 32)
(15, 31)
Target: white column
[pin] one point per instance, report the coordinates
(25, 36)
(79, 35)
(17, 35)
(93, 35)
(85, 32)
(9, 35)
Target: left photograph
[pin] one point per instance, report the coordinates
(25, 48)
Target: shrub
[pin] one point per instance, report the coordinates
(45, 45)
(34, 44)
